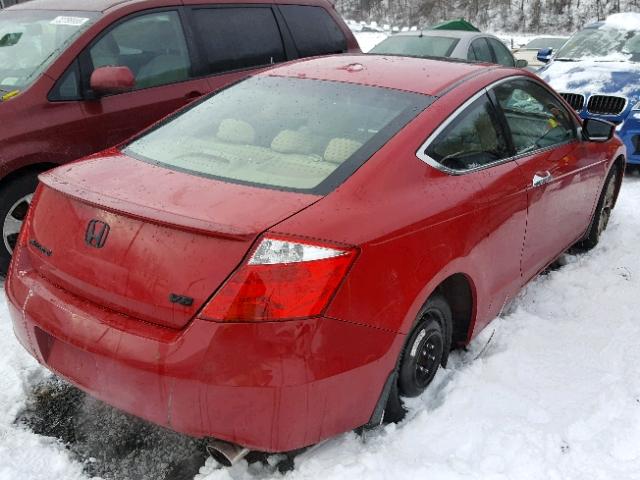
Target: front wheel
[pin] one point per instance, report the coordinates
(15, 198)
(602, 214)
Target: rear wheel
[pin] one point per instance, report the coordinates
(426, 349)
(15, 198)
(602, 215)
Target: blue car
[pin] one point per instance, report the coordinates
(598, 73)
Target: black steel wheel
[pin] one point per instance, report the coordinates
(426, 347)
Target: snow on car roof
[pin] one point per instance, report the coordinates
(419, 75)
(623, 21)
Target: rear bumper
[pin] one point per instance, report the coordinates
(273, 386)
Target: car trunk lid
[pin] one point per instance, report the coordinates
(146, 241)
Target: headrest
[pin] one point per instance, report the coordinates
(340, 149)
(236, 131)
(293, 141)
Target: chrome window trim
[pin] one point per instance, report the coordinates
(484, 91)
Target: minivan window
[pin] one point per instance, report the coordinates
(235, 38)
(535, 118)
(314, 31)
(152, 46)
(31, 39)
(286, 133)
(472, 140)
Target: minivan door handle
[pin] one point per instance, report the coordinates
(540, 178)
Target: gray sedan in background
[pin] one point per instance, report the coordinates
(471, 46)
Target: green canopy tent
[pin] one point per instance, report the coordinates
(459, 24)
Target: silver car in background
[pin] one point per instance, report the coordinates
(464, 45)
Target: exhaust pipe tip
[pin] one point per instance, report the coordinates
(225, 453)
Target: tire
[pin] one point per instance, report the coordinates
(427, 348)
(601, 217)
(15, 197)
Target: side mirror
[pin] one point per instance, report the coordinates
(108, 80)
(544, 55)
(597, 130)
(521, 63)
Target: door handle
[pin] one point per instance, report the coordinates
(540, 178)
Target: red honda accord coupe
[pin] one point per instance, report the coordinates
(285, 259)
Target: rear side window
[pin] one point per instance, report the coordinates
(314, 31)
(480, 51)
(235, 38)
(472, 140)
(503, 56)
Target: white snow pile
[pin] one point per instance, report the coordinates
(555, 393)
(623, 21)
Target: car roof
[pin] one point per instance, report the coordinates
(70, 5)
(419, 75)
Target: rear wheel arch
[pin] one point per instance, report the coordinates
(459, 292)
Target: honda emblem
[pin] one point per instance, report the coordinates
(96, 235)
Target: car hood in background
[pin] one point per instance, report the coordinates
(589, 77)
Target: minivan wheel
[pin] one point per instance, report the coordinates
(15, 198)
(602, 214)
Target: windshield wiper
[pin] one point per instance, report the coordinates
(565, 59)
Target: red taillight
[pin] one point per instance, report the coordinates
(283, 279)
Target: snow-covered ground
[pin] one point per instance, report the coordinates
(554, 395)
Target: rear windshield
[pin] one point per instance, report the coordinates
(415, 46)
(285, 133)
(547, 42)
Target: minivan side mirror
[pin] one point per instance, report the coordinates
(109, 80)
(521, 63)
(544, 54)
(597, 130)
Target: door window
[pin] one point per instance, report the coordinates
(314, 31)
(235, 38)
(502, 54)
(472, 140)
(152, 46)
(480, 51)
(536, 119)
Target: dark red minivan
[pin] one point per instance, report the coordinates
(77, 77)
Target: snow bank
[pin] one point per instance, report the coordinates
(623, 21)
(554, 395)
